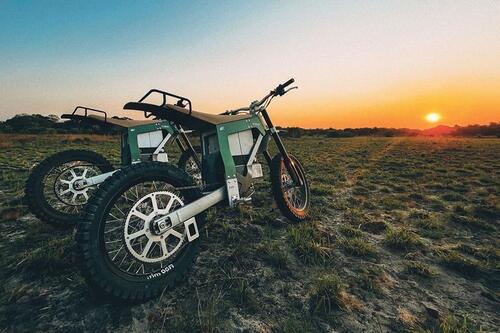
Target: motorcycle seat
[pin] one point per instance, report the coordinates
(195, 120)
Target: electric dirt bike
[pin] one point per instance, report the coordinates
(139, 231)
(59, 186)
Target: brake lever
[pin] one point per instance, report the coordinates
(296, 87)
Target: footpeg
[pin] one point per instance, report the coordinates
(244, 200)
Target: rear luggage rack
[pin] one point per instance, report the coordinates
(86, 109)
(180, 100)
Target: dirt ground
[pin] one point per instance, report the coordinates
(403, 237)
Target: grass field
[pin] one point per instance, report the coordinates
(403, 236)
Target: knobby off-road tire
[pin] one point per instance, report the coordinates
(103, 274)
(36, 190)
(287, 198)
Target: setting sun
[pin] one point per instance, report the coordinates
(433, 117)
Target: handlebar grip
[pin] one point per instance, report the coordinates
(287, 83)
(280, 89)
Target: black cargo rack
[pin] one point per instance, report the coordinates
(180, 100)
(85, 115)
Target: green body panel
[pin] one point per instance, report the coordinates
(223, 132)
(130, 148)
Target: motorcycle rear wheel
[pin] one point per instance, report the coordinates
(120, 257)
(49, 191)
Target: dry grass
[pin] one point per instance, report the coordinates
(407, 318)
(402, 238)
(327, 294)
(11, 139)
(389, 214)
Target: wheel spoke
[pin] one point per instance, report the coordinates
(136, 234)
(140, 215)
(65, 191)
(130, 266)
(164, 250)
(117, 252)
(146, 248)
(170, 203)
(118, 209)
(154, 203)
(123, 259)
(174, 233)
(112, 229)
(114, 218)
(139, 269)
(127, 198)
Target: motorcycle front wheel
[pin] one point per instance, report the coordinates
(293, 200)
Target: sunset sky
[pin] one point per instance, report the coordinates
(357, 63)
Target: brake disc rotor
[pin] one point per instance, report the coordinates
(293, 193)
(141, 242)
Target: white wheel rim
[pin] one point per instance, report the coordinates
(138, 228)
(65, 186)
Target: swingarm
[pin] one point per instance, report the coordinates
(92, 181)
(183, 214)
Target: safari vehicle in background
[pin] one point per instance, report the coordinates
(139, 231)
(59, 186)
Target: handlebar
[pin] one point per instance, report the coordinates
(278, 91)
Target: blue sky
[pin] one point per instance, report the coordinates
(358, 63)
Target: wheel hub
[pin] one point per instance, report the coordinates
(141, 234)
(67, 187)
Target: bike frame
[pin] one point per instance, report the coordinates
(131, 150)
(135, 138)
(228, 141)
(258, 123)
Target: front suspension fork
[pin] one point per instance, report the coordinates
(292, 170)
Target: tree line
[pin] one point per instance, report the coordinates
(52, 124)
(490, 130)
(36, 123)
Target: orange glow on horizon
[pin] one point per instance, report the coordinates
(456, 101)
(405, 107)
